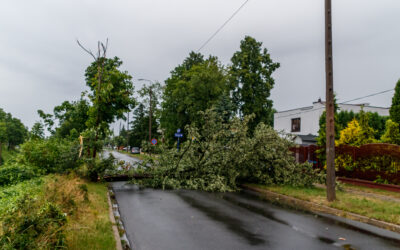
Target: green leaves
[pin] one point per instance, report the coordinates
(194, 86)
(395, 108)
(221, 155)
(251, 81)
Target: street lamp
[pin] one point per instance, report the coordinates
(150, 111)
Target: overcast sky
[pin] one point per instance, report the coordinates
(41, 64)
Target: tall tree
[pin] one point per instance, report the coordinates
(395, 108)
(111, 97)
(193, 86)
(251, 80)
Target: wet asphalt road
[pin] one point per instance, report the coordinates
(183, 219)
(123, 157)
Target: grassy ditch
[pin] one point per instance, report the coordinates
(372, 207)
(55, 211)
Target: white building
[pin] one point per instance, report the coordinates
(304, 122)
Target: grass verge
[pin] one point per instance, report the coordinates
(371, 207)
(80, 210)
(88, 225)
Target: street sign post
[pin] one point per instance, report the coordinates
(178, 135)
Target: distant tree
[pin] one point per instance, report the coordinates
(16, 131)
(224, 107)
(154, 90)
(3, 137)
(37, 131)
(193, 86)
(251, 81)
(48, 120)
(395, 108)
(392, 133)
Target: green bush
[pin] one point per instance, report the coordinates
(52, 155)
(14, 174)
(33, 225)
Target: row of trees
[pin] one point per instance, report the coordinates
(200, 83)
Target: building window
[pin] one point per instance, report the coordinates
(296, 125)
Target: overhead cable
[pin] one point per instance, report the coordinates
(223, 25)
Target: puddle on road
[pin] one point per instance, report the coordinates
(233, 224)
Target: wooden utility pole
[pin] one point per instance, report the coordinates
(150, 113)
(330, 108)
(127, 134)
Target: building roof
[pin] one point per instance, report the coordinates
(308, 138)
(323, 103)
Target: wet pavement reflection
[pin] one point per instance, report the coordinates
(184, 219)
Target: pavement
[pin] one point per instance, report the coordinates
(187, 219)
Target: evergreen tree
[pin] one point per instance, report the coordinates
(395, 108)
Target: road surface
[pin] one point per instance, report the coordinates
(132, 160)
(183, 219)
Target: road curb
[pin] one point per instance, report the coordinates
(122, 243)
(114, 224)
(314, 207)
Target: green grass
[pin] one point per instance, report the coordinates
(88, 224)
(90, 227)
(372, 190)
(371, 207)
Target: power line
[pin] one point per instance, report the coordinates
(359, 98)
(382, 92)
(223, 25)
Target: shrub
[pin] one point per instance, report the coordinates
(53, 155)
(392, 133)
(34, 225)
(13, 174)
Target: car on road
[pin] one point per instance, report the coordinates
(135, 150)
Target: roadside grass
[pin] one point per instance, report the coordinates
(372, 190)
(84, 203)
(372, 207)
(88, 225)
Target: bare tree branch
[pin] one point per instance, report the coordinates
(87, 51)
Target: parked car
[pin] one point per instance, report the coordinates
(135, 150)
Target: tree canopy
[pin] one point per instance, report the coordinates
(111, 95)
(251, 81)
(193, 86)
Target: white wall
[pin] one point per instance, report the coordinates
(309, 117)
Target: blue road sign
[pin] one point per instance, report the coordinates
(154, 141)
(179, 135)
(178, 130)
